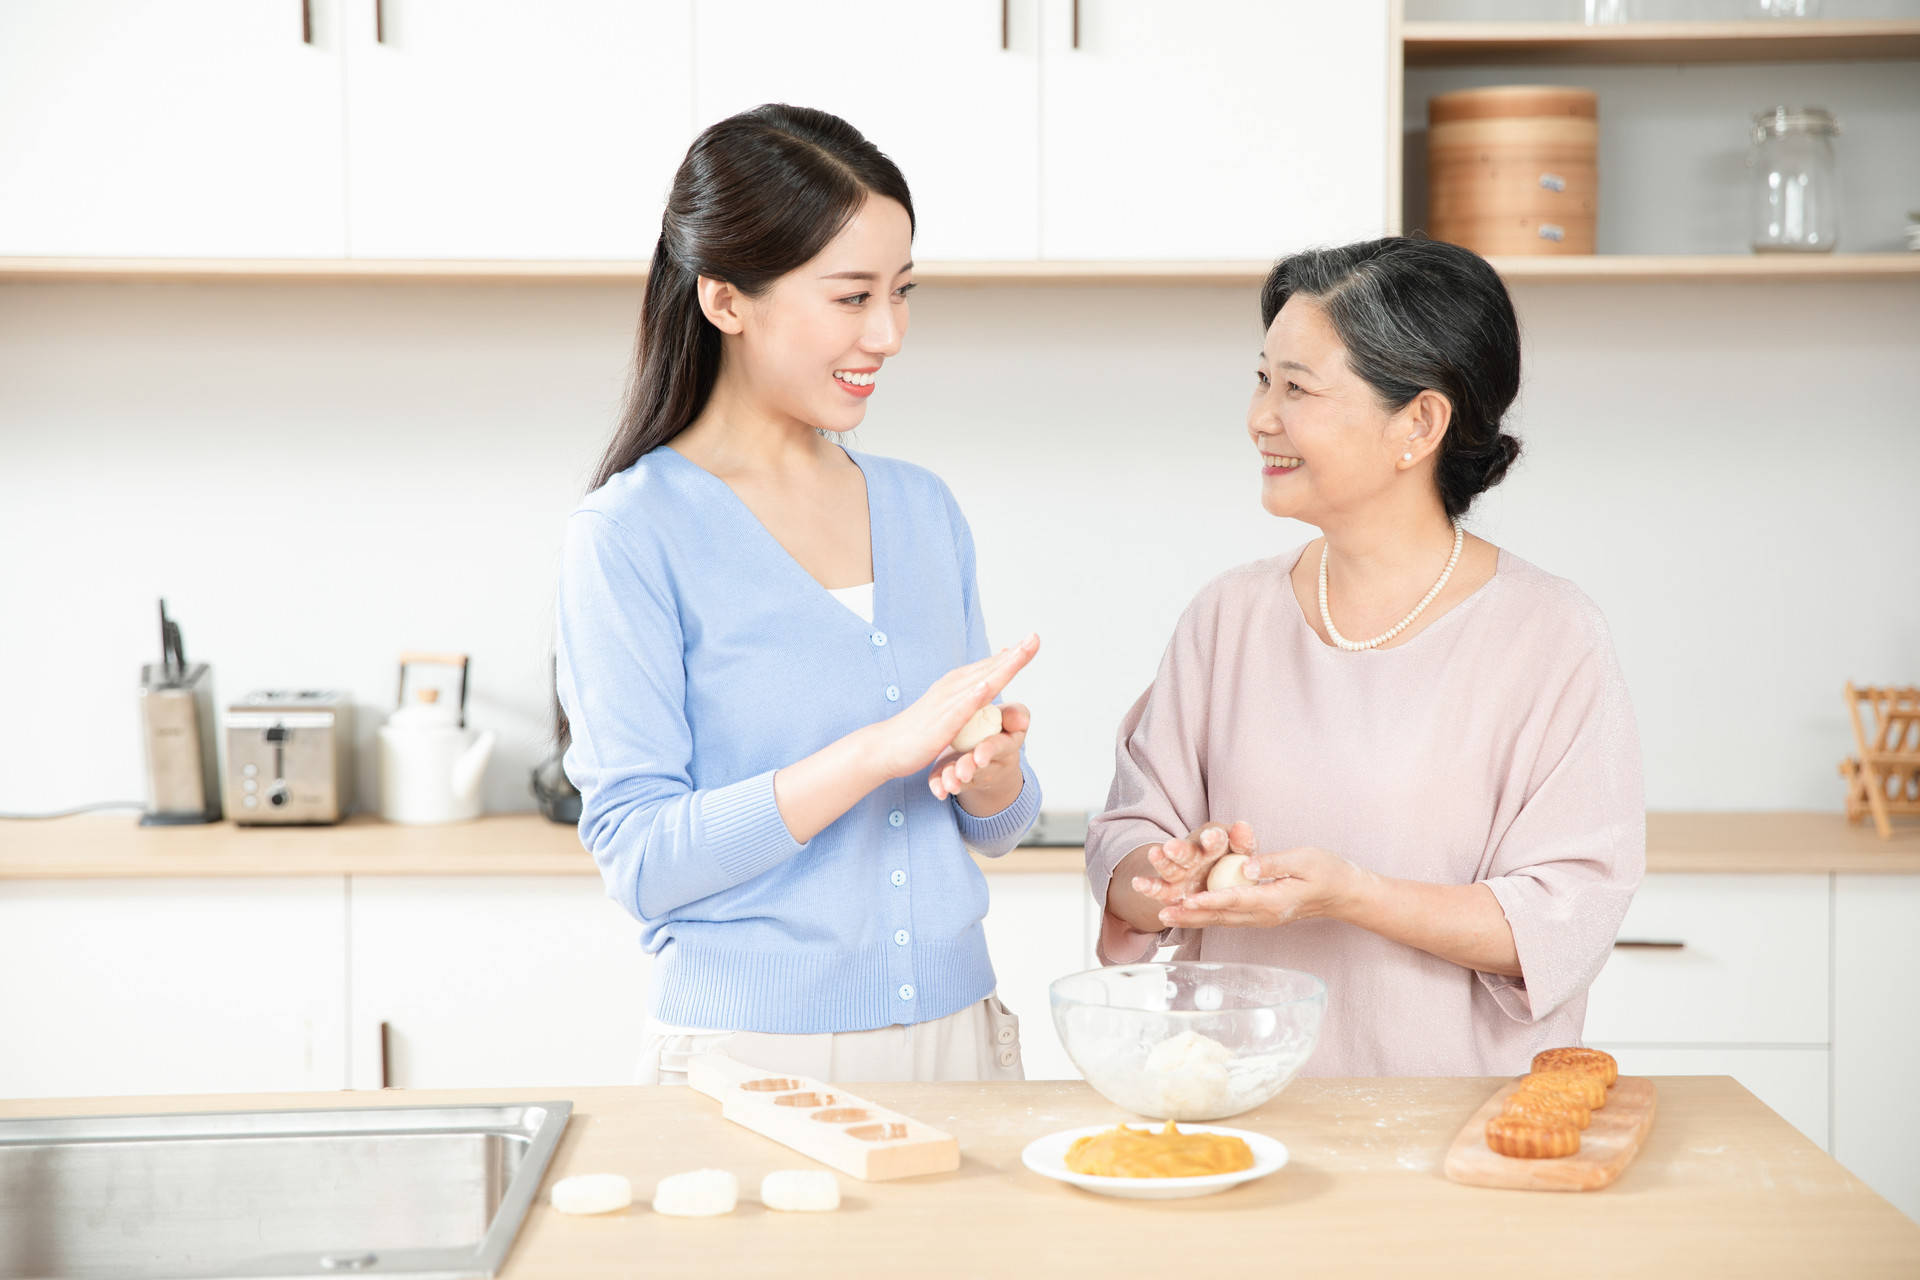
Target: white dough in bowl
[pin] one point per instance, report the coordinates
(1188, 1075)
(980, 726)
(800, 1191)
(704, 1193)
(591, 1193)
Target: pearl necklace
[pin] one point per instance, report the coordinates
(1356, 646)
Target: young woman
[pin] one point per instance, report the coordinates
(767, 642)
(1424, 741)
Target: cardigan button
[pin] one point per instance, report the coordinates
(896, 819)
(879, 639)
(900, 937)
(906, 991)
(893, 693)
(899, 878)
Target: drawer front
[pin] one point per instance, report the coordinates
(1794, 1082)
(1718, 959)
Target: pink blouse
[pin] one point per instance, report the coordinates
(1498, 745)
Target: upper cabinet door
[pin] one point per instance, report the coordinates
(949, 91)
(1234, 129)
(194, 128)
(503, 129)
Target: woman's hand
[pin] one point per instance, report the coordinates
(1300, 884)
(910, 741)
(986, 779)
(1180, 867)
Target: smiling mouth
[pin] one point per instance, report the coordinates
(856, 378)
(1276, 462)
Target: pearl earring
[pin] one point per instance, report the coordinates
(1406, 457)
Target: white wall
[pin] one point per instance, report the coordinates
(318, 476)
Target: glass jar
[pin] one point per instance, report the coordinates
(1602, 13)
(1785, 8)
(1796, 193)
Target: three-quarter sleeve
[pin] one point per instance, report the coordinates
(660, 843)
(995, 834)
(1566, 866)
(1159, 790)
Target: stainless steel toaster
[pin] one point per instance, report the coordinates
(290, 757)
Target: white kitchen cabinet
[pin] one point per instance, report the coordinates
(934, 86)
(1236, 129)
(499, 129)
(193, 128)
(494, 982)
(1752, 968)
(1794, 1082)
(172, 986)
(1039, 927)
(1876, 1035)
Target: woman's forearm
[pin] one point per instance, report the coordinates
(815, 792)
(1126, 902)
(1461, 923)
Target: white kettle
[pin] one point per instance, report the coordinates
(431, 764)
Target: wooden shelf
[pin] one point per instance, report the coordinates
(1448, 44)
(1711, 266)
(1727, 266)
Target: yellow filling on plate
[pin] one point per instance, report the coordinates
(1141, 1153)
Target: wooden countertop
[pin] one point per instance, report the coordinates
(1722, 1184)
(525, 844)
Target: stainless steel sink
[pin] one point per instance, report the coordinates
(390, 1191)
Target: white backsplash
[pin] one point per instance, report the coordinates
(319, 476)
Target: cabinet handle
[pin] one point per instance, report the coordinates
(1076, 24)
(1646, 944)
(1004, 25)
(386, 1075)
(379, 21)
(306, 21)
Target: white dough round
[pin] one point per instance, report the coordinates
(980, 726)
(800, 1191)
(591, 1193)
(1229, 873)
(704, 1193)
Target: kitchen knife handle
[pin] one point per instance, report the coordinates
(386, 1058)
(1646, 944)
(379, 21)
(306, 21)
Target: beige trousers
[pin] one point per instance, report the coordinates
(980, 1042)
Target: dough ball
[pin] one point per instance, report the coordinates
(1189, 1077)
(980, 726)
(1229, 873)
(704, 1193)
(591, 1193)
(800, 1191)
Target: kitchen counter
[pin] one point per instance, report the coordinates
(527, 844)
(1722, 1185)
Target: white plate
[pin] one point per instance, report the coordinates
(1048, 1157)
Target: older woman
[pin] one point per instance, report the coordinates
(1424, 741)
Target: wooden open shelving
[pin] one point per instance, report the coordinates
(1568, 268)
(1438, 44)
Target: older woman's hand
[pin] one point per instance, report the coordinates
(1299, 884)
(1180, 867)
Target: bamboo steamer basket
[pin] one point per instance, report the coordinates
(1512, 169)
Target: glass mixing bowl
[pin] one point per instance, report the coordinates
(1189, 1040)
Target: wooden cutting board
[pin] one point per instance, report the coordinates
(1607, 1146)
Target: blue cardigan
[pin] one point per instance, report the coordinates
(696, 658)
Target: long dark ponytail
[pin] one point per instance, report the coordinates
(758, 195)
